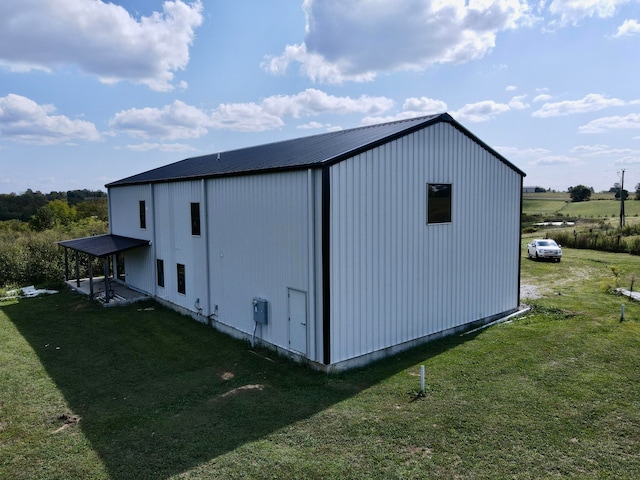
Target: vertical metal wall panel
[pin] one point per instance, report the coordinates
(139, 262)
(394, 277)
(259, 240)
(125, 201)
(176, 245)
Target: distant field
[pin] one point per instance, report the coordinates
(601, 206)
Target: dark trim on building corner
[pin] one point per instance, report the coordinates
(520, 237)
(326, 265)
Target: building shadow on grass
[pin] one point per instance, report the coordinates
(158, 394)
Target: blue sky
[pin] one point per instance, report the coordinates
(91, 92)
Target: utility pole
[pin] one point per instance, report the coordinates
(622, 199)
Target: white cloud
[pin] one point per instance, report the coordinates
(590, 103)
(174, 121)
(628, 28)
(356, 39)
(244, 117)
(424, 105)
(511, 88)
(480, 111)
(314, 102)
(312, 126)
(552, 160)
(543, 97)
(572, 11)
(522, 152)
(23, 120)
(98, 38)
(518, 103)
(412, 107)
(611, 123)
(162, 147)
(181, 121)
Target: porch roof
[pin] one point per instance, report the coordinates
(104, 245)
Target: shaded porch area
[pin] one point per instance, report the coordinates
(119, 293)
(104, 247)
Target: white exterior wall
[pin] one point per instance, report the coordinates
(263, 236)
(393, 277)
(124, 219)
(174, 243)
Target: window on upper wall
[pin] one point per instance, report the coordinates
(438, 203)
(182, 284)
(143, 214)
(160, 272)
(195, 219)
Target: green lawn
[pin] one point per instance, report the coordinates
(555, 393)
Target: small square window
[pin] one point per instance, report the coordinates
(438, 203)
(143, 214)
(195, 219)
(182, 286)
(160, 272)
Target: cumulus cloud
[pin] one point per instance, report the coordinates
(628, 28)
(412, 107)
(543, 97)
(181, 121)
(354, 40)
(552, 160)
(480, 111)
(162, 147)
(572, 11)
(600, 125)
(99, 38)
(590, 103)
(518, 103)
(23, 120)
(170, 122)
(314, 102)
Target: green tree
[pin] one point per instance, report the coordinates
(580, 193)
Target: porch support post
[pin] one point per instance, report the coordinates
(66, 264)
(77, 269)
(106, 279)
(90, 278)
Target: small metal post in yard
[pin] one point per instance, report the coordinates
(421, 379)
(622, 313)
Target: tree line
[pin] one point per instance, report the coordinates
(32, 223)
(582, 193)
(24, 206)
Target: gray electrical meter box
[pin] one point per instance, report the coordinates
(260, 310)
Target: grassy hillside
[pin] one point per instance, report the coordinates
(601, 206)
(141, 392)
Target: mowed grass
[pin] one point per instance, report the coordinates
(141, 392)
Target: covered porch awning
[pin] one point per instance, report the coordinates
(104, 245)
(100, 246)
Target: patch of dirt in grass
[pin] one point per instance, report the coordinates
(227, 376)
(529, 291)
(238, 391)
(68, 420)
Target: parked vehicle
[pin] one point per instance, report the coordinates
(544, 249)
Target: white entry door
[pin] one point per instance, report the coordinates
(298, 321)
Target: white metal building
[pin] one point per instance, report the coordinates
(337, 248)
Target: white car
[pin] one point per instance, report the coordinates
(544, 248)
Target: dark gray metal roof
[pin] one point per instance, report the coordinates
(103, 245)
(304, 152)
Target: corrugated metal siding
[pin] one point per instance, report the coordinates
(124, 219)
(174, 243)
(259, 236)
(395, 278)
